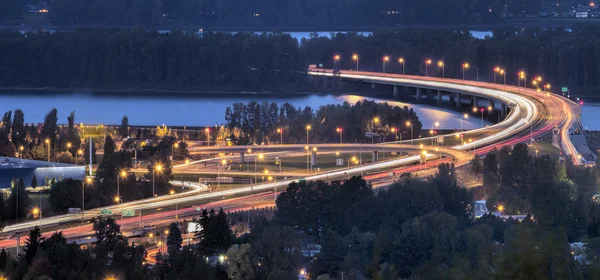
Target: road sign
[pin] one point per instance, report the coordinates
(128, 213)
(565, 89)
(106, 211)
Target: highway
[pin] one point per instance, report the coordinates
(529, 110)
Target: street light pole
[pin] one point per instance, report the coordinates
(427, 62)
(355, 58)
(465, 67)
(308, 127)
(401, 61)
(48, 148)
(340, 131)
(207, 136)
(385, 60)
(280, 130)
(441, 64)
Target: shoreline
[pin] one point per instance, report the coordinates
(154, 91)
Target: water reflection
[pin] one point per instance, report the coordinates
(187, 110)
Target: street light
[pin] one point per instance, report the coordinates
(176, 145)
(385, 60)
(158, 168)
(355, 58)
(409, 124)
(464, 116)
(79, 152)
(69, 145)
(522, 76)
(500, 208)
(401, 61)
(21, 149)
(465, 66)
(482, 110)
(336, 59)
(36, 211)
(496, 70)
(503, 73)
(395, 131)
(339, 130)
(441, 65)
(308, 127)
(207, 136)
(432, 132)
(121, 174)
(223, 162)
(307, 153)
(260, 157)
(47, 141)
(373, 122)
(280, 131)
(427, 63)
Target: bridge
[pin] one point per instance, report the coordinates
(526, 114)
(521, 108)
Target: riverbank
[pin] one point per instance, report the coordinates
(41, 24)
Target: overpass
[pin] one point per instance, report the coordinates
(522, 108)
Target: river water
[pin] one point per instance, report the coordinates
(190, 111)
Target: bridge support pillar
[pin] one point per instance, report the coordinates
(439, 98)
(491, 103)
(373, 86)
(429, 94)
(503, 111)
(418, 95)
(313, 158)
(458, 100)
(475, 101)
(374, 156)
(452, 99)
(395, 92)
(242, 158)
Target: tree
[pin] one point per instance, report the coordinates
(34, 183)
(476, 166)
(174, 239)
(124, 127)
(49, 128)
(32, 243)
(39, 152)
(180, 152)
(65, 157)
(108, 235)
(278, 248)
(240, 262)
(215, 234)
(18, 201)
(65, 194)
(18, 132)
(109, 148)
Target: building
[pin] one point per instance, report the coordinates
(22, 168)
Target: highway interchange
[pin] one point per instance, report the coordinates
(532, 114)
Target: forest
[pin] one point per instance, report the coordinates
(140, 60)
(269, 122)
(296, 13)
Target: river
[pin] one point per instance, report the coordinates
(190, 111)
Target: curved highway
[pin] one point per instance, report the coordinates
(530, 110)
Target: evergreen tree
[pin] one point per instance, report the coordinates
(34, 183)
(109, 148)
(174, 239)
(32, 243)
(124, 127)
